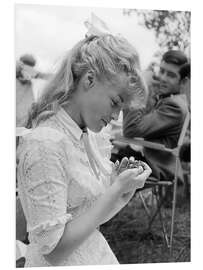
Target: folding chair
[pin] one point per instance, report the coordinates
(155, 183)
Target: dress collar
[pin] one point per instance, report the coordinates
(69, 124)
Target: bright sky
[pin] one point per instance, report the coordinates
(48, 31)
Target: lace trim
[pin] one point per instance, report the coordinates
(49, 224)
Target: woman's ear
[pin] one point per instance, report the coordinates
(89, 80)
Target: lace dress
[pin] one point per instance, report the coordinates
(56, 184)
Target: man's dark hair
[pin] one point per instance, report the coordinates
(185, 71)
(175, 57)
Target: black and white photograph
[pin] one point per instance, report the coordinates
(103, 135)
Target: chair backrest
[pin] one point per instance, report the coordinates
(184, 129)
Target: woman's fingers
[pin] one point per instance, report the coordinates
(131, 168)
(123, 164)
(131, 162)
(144, 175)
(116, 164)
(132, 179)
(146, 167)
(140, 178)
(132, 159)
(132, 172)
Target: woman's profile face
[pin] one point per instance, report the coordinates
(102, 102)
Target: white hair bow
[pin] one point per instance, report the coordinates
(96, 26)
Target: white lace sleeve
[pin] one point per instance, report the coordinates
(48, 233)
(43, 184)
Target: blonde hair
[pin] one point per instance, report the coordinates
(105, 55)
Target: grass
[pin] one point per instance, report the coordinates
(128, 237)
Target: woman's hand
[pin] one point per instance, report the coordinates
(130, 175)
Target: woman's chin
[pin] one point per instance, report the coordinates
(96, 129)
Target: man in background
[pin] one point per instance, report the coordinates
(162, 123)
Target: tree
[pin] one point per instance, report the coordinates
(171, 28)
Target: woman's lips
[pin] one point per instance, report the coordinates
(105, 122)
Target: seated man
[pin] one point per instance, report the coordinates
(163, 122)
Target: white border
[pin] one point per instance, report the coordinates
(7, 106)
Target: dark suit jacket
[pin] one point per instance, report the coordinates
(162, 125)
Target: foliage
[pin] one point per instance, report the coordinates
(171, 28)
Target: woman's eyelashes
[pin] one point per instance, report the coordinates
(114, 103)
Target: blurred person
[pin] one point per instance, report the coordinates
(65, 188)
(25, 73)
(24, 91)
(164, 121)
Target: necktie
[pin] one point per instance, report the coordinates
(90, 154)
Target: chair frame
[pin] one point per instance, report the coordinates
(152, 182)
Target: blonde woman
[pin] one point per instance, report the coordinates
(65, 189)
